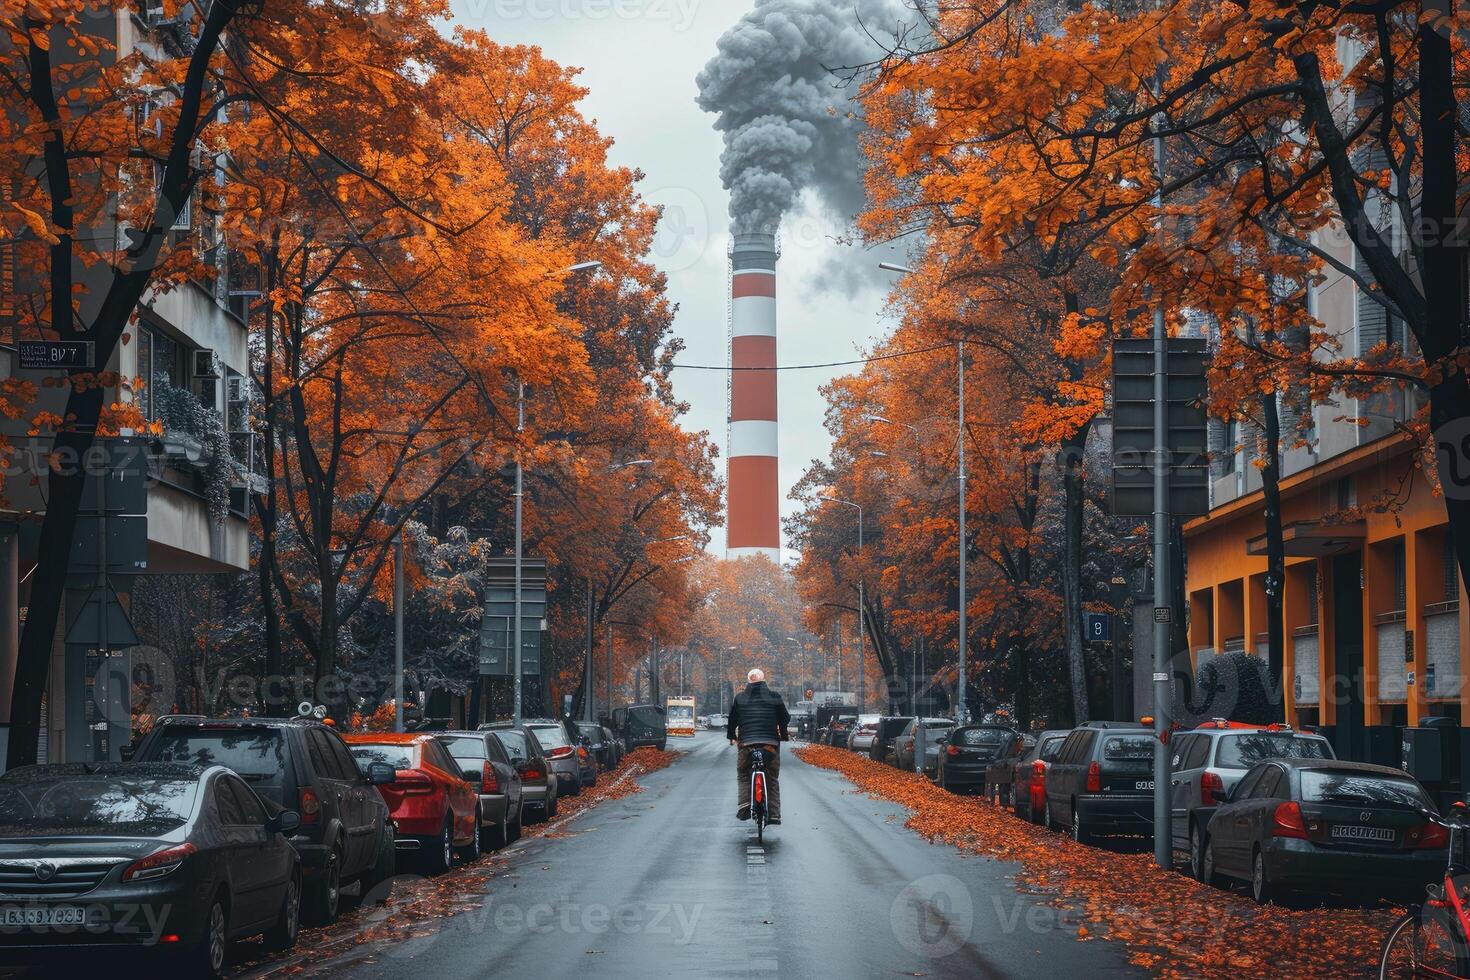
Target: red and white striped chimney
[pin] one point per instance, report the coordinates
(753, 485)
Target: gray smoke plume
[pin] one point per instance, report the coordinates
(789, 124)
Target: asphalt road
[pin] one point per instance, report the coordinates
(668, 883)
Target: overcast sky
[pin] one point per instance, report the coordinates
(639, 60)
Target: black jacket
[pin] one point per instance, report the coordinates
(758, 716)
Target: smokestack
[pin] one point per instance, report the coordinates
(753, 481)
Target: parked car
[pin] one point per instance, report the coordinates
(614, 745)
(839, 726)
(861, 739)
(345, 833)
(436, 811)
(483, 760)
(1000, 774)
(641, 724)
(556, 745)
(968, 752)
(538, 785)
(718, 721)
(1028, 774)
(156, 854)
(903, 743)
(1210, 760)
(1102, 781)
(1326, 826)
(597, 745)
(889, 728)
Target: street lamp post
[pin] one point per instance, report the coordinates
(520, 486)
(862, 610)
(398, 631)
(964, 557)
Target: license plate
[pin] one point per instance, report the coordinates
(44, 915)
(1343, 831)
(1147, 784)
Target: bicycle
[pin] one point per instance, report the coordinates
(1433, 939)
(758, 792)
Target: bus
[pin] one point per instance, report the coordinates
(680, 716)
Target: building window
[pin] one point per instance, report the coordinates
(160, 365)
(1346, 496)
(1451, 572)
(1232, 439)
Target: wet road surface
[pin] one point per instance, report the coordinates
(667, 883)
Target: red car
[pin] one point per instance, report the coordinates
(436, 811)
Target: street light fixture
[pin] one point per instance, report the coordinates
(964, 557)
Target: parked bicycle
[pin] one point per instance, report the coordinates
(1433, 939)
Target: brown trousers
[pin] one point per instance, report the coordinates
(773, 781)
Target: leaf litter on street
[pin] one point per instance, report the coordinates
(421, 906)
(1171, 924)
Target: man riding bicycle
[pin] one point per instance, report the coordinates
(758, 718)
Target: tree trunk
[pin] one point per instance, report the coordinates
(1071, 454)
(1275, 556)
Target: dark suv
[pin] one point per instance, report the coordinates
(968, 752)
(345, 833)
(1102, 781)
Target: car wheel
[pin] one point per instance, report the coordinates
(282, 935)
(576, 789)
(212, 953)
(438, 852)
(1016, 808)
(1261, 888)
(515, 827)
(326, 896)
(470, 853)
(1046, 820)
(1197, 869)
(377, 884)
(551, 808)
(1212, 877)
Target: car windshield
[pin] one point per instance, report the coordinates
(982, 736)
(680, 712)
(258, 754)
(397, 756)
(646, 716)
(113, 805)
(465, 746)
(1357, 788)
(1121, 748)
(1246, 749)
(550, 736)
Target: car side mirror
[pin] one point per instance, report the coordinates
(942, 739)
(286, 822)
(381, 774)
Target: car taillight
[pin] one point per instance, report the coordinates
(1289, 822)
(1038, 769)
(411, 782)
(159, 864)
(952, 750)
(311, 807)
(531, 773)
(1434, 835)
(1094, 778)
(561, 752)
(488, 781)
(582, 752)
(1210, 783)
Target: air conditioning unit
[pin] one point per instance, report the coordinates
(203, 364)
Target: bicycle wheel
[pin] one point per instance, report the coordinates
(1425, 943)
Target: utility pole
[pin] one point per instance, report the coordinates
(609, 635)
(653, 671)
(1163, 613)
(520, 425)
(588, 707)
(959, 715)
(398, 632)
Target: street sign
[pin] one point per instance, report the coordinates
(1097, 627)
(1133, 427)
(127, 545)
(1163, 614)
(101, 622)
(124, 462)
(497, 627)
(41, 355)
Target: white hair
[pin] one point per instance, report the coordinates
(756, 675)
